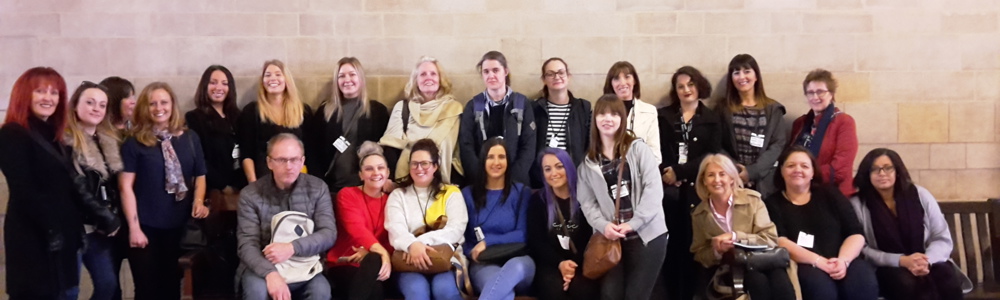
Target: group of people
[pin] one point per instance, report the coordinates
(433, 200)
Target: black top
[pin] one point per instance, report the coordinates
(543, 244)
(218, 139)
(577, 133)
(156, 208)
(518, 137)
(321, 135)
(828, 217)
(254, 133)
(43, 227)
(703, 137)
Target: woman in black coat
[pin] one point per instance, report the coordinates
(215, 120)
(43, 230)
(688, 131)
(342, 124)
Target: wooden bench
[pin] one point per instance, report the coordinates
(975, 230)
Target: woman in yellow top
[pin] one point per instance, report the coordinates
(730, 214)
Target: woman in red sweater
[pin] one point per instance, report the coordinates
(358, 263)
(827, 132)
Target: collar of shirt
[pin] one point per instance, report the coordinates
(724, 221)
(491, 103)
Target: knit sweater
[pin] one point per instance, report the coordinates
(501, 223)
(404, 214)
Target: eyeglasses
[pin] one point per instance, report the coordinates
(287, 160)
(424, 164)
(818, 93)
(888, 170)
(552, 75)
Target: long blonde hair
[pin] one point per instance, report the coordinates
(74, 128)
(291, 112)
(412, 89)
(143, 131)
(336, 101)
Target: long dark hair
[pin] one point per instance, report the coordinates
(479, 186)
(118, 89)
(548, 195)
(427, 145)
(732, 100)
(204, 103)
(623, 137)
(619, 68)
(779, 180)
(863, 180)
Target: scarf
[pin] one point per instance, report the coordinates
(814, 140)
(172, 166)
(903, 232)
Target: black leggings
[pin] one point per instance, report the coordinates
(154, 268)
(359, 283)
(773, 284)
(635, 276)
(899, 283)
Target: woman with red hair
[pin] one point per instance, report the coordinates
(43, 228)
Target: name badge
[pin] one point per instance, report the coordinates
(624, 191)
(682, 153)
(341, 144)
(756, 140)
(563, 241)
(805, 240)
(479, 234)
(553, 141)
(236, 151)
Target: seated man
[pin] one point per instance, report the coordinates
(285, 189)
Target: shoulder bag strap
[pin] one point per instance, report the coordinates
(618, 192)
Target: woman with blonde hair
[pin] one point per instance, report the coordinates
(278, 109)
(428, 110)
(341, 124)
(162, 185)
(730, 214)
(97, 162)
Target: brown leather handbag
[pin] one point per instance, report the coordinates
(440, 258)
(603, 254)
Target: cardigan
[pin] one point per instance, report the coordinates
(437, 120)
(577, 133)
(254, 133)
(937, 238)
(762, 171)
(521, 147)
(646, 193)
(404, 214)
(218, 142)
(750, 222)
(501, 223)
(642, 121)
(322, 133)
(836, 155)
(42, 211)
(361, 220)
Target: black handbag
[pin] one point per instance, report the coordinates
(500, 254)
(762, 260)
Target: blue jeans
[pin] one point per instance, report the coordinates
(502, 282)
(441, 286)
(98, 260)
(255, 288)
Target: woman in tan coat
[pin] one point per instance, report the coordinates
(730, 214)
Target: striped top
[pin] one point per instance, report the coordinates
(558, 119)
(748, 121)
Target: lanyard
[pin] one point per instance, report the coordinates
(563, 224)
(686, 127)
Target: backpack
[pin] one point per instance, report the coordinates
(480, 107)
(286, 227)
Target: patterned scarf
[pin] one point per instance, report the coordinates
(172, 166)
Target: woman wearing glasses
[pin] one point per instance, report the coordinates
(908, 239)
(827, 132)
(560, 117)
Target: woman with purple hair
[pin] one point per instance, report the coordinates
(558, 249)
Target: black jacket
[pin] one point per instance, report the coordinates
(704, 138)
(543, 245)
(254, 133)
(520, 144)
(321, 134)
(218, 138)
(43, 227)
(577, 133)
